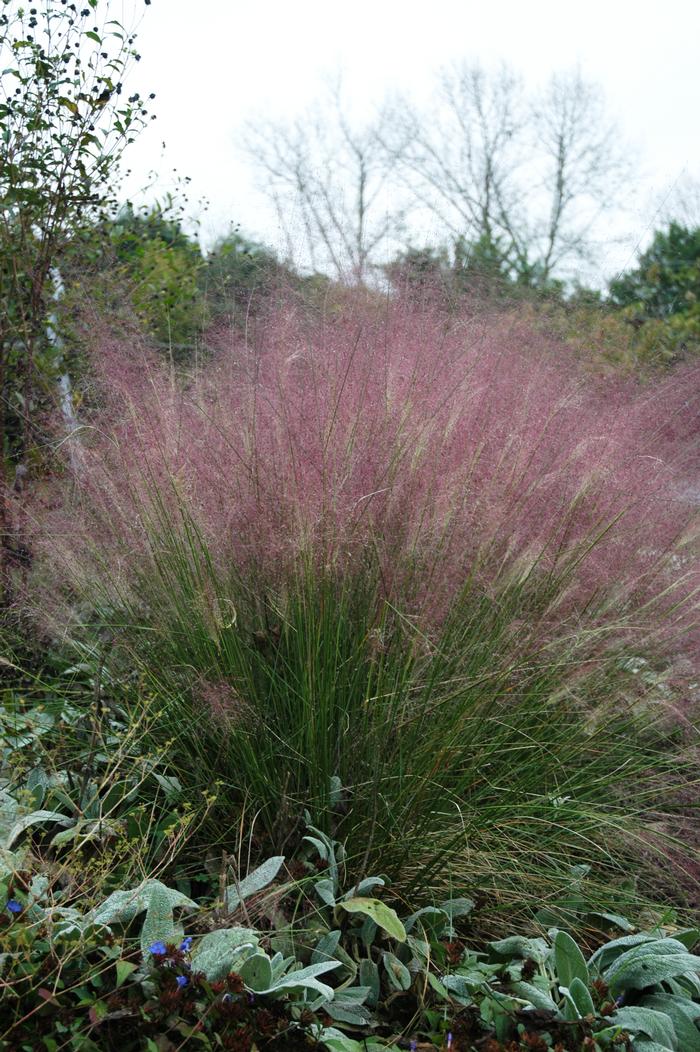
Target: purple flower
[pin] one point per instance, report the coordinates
(449, 1040)
(413, 1046)
(14, 906)
(158, 949)
(251, 999)
(182, 980)
(186, 944)
(620, 1000)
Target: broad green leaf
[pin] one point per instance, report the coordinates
(348, 1006)
(335, 793)
(124, 970)
(8, 813)
(569, 961)
(159, 923)
(325, 948)
(520, 946)
(579, 1002)
(221, 951)
(122, 906)
(92, 830)
(254, 882)
(689, 937)
(650, 964)
(37, 818)
(368, 884)
(171, 786)
(38, 781)
(382, 915)
(256, 972)
(431, 919)
(610, 920)
(607, 953)
(437, 986)
(369, 977)
(368, 932)
(582, 997)
(336, 1041)
(398, 974)
(454, 908)
(656, 1025)
(305, 979)
(326, 891)
(683, 1013)
(645, 1044)
(420, 949)
(319, 845)
(536, 997)
(344, 1012)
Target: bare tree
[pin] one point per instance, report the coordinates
(584, 166)
(529, 177)
(328, 181)
(521, 182)
(458, 159)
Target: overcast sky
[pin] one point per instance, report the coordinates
(216, 63)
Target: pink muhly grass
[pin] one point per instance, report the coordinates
(446, 448)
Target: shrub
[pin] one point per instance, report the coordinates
(414, 556)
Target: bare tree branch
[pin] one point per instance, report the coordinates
(531, 179)
(334, 176)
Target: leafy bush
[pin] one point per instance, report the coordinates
(238, 276)
(162, 265)
(660, 297)
(65, 127)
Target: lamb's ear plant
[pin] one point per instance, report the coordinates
(349, 966)
(646, 985)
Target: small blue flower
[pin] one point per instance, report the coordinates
(413, 1046)
(251, 999)
(186, 944)
(449, 1040)
(182, 980)
(158, 949)
(620, 1000)
(14, 906)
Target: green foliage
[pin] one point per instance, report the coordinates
(238, 276)
(524, 992)
(666, 280)
(65, 125)
(79, 794)
(480, 272)
(327, 957)
(162, 267)
(661, 296)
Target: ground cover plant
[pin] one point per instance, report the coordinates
(294, 956)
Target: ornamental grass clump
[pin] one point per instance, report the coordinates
(393, 567)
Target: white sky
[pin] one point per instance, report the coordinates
(216, 63)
